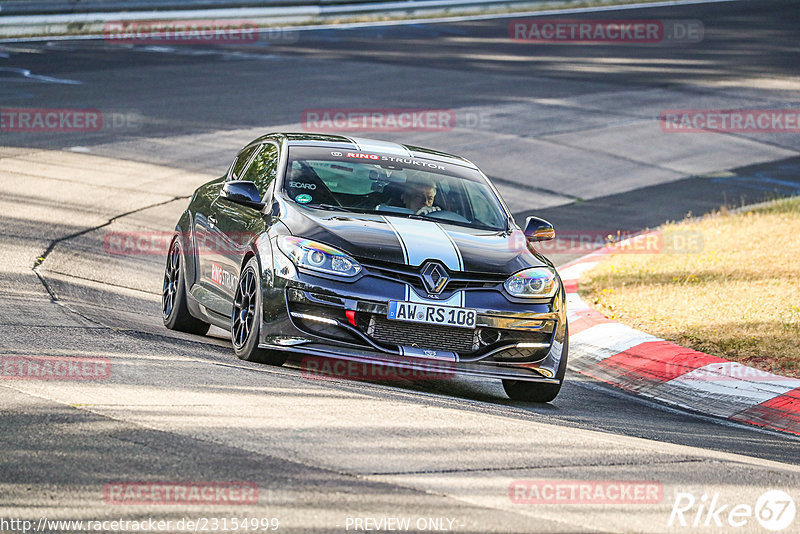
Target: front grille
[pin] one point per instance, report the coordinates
(411, 275)
(424, 336)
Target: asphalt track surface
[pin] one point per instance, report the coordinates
(569, 132)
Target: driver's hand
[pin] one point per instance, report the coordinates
(424, 210)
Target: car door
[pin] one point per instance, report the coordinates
(234, 227)
(207, 288)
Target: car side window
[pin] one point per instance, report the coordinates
(241, 162)
(264, 168)
(481, 208)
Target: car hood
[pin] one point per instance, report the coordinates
(403, 241)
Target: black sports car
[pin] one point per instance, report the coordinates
(372, 252)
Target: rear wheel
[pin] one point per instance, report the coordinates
(174, 310)
(521, 390)
(246, 318)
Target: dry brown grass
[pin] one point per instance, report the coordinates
(738, 297)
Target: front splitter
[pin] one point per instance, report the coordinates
(436, 368)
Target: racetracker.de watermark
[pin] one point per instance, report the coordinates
(170, 493)
(54, 368)
(192, 32)
(389, 120)
(155, 243)
(315, 368)
(617, 241)
(730, 120)
(574, 31)
(585, 492)
(769, 372)
(198, 523)
(65, 120)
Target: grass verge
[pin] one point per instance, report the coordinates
(727, 284)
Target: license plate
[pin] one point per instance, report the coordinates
(415, 312)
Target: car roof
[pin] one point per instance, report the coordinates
(367, 145)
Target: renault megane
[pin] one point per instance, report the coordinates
(372, 252)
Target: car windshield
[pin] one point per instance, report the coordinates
(393, 185)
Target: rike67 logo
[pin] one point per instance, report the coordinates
(774, 510)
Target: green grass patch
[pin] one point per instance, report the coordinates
(734, 293)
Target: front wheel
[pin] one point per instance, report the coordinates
(246, 318)
(174, 310)
(521, 390)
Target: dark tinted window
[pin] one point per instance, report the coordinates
(400, 186)
(264, 168)
(241, 161)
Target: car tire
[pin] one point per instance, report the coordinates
(174, 310)
(246, 318)
(521, 390)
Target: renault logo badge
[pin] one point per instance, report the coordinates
(435, 277)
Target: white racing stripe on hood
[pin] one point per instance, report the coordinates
(423, 240)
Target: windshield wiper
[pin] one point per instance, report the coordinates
(436, 219)
(332, 207)
(323, 206)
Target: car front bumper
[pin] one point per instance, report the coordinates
(313, 316)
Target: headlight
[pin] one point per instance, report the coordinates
(317, 256)
(538, 282)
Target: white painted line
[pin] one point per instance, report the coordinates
(604, 340)
(715, 389)
(728, 371)
(26, 74)
(669, 407)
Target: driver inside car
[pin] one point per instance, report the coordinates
(418, 196)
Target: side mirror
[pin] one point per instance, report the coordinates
(537, 229)
(242, 192)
